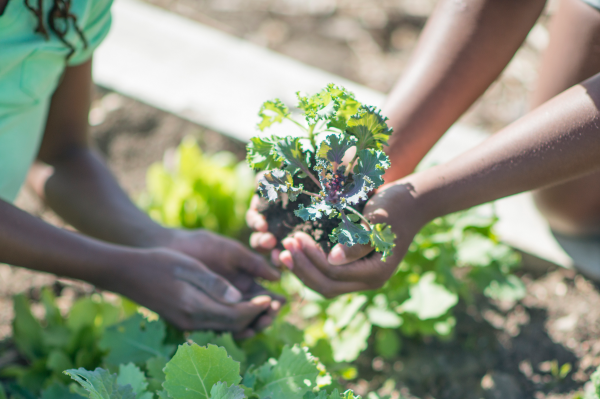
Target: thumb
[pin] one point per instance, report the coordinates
(212, 284)
(252, 263)
(341, 254)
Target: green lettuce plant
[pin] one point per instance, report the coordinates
(335, 125)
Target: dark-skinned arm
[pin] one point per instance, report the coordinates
(464, 47)
(558, 141)
(172, 272)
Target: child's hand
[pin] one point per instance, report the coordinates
(344, 270)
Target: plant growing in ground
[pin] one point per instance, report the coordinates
(335, 125)
(195, 190)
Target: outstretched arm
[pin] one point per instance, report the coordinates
(463, 48)
(559, 140)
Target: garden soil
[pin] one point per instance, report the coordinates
(499, 350)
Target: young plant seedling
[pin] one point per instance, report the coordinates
(335, 123)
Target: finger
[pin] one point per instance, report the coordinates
(262, 241)
(255, 220)
(212, 284)
(364, 270)
(275, 258)
(316, 280)
(341, 254)
(254, 264)
(236, 318)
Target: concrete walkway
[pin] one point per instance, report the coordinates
(220, 81)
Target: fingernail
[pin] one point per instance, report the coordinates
(262, 300)
(286, 258)
(275, 305)
(336, 255)
(268, 241)
(289, 244)
(232, 295)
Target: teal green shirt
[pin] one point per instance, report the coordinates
(30, 70)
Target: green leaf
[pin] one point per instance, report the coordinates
(57, 391)
(87, 312)
(335, 394)
(130, 374)
(293, 374)
(387, 343)
(371, 166)
(370, 128)
(225, 340)
(100, 384)
(510, 288)
(3, 394)
(261, 154)
(278, 181)
(58, 361)
(428, 299)
(349, 233)
(134, 340)
(334, 104)
(27, 331)
(192, 372)
(295, 157)
(272, 112)
(163, 395)
(155, 366)
(595, 379)
(383, 317)
(221, 391)
(383, 239)
(349, 342)
(334, 147)
(314, 211)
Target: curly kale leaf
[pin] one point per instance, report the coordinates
(278, 181)
(261, 153)
(272, 112)
(334, 146)
(349, 233)
(372, 165)
(334, 104)
(314, 211)
(295, 157)
(370, 128)
(382, 239)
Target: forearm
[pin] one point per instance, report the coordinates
(559, 140)
(81, 190)
(463, 48)
(29, 242)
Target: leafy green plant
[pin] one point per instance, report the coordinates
(335, 124)
(207, 372)
(451, 258)
(194, 190)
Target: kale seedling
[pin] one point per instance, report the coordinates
(335, 122)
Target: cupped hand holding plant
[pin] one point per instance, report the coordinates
(307, 177)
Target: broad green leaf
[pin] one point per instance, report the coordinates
(58, 361)
(333, 104)
(292, 375)
(387, 343)
(352, 340)
(101, 384)
(3, 394)
(370, 128)
(192, 372)
(221, 391)
(314, 211)
(334, 147)
(155, 366)
(278, 181)
(163, 395)
(429, 299)
(383, 317)
(510, 288)
(272, 112)
(89, 312)
(134, 340)
(57, 391)
(349, 233)
(294, 156)
(382, 239)
(595, 379)
(343, 309)
(225, 340)
(261, 153)
(130, 374)
(27, 331)
(53, 316)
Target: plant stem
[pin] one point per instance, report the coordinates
(351, 164)
(297, 123)
(311, 136)
(357, 213)
(309, 193)
(311, 176)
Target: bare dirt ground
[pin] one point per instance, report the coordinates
(499, 350)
